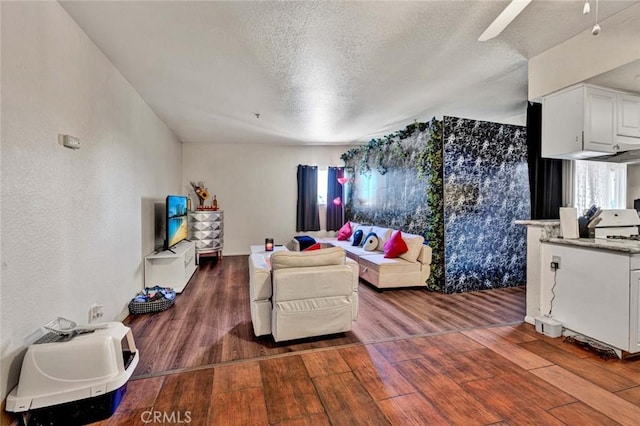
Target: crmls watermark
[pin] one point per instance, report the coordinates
(175, 417)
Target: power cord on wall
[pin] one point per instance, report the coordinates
(555, 266)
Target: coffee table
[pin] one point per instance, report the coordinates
(260, 250)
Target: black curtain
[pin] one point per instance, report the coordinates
(545, 174)
(334, 190)
(307, 217)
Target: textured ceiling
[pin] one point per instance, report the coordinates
(324, 72)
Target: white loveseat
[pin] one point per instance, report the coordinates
(410, 269)
(303, 294)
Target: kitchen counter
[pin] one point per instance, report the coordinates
(538, 222)
(549, 228)
(625, 246)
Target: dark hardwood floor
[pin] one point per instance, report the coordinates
(210, 322)
(414, 358)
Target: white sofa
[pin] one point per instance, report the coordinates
(303, 294)
(411, 269)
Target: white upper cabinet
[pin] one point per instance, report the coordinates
(585, 121)
(578, 122)
(628, 115)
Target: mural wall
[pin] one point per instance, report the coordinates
(386, 186)
(459, 183)
(486, 188)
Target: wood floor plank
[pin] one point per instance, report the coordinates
(632, 395)
(512, 334)
(141, 393)
(581, 414)
(347, 402)
(377, 375)
(187, 392)
(244, 407)
(235, 377)
(510, 351)
(320, 419)
(522, 389)
(288, 389)
(324, 363)
(594, 396)
(518, 399)
(136, 416)
(447, 343)
(412, 409)
(558, 342)
(473, 365)
(398, 350)
(453, 401)
(595, 373)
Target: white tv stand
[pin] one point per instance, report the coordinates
(171, 268)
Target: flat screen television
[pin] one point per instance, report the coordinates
(177, 226)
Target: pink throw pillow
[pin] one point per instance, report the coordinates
(316, 246)
(345, 232)
(395, 246)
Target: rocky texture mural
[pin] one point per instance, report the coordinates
(459, 183)
(486, 188)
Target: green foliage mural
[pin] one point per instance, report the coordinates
(433, 167)
(464, 177)
(407, 167)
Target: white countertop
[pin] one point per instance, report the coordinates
(625, 246)
(538, 222)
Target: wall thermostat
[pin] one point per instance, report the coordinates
(70, 142)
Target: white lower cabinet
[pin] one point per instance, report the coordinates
(171, 268)
(595, 293)
(634, 312)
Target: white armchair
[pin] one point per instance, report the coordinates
(303, 294)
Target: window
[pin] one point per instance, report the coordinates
(323, 177)
(370, 186)
(602, 184)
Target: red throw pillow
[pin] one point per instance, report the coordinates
(316, 246)
(395, 245)
(345, 232)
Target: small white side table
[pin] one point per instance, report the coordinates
(260, 250)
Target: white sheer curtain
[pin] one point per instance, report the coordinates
(602, 184)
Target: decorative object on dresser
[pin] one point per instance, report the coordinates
(206, 230)
(201, 191)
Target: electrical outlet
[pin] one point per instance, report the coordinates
(95, 311)
(555, 263)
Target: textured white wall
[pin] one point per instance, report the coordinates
(585, 56)
(75, 224)
(256, 186)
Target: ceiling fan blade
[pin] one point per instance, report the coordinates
(500, 23)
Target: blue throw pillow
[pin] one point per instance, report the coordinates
(305, 241)
(364, 240)
(371, 242)
(357, 237)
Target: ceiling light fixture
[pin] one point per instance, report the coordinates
(509, 13)
(587, 8)
(596, 28)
